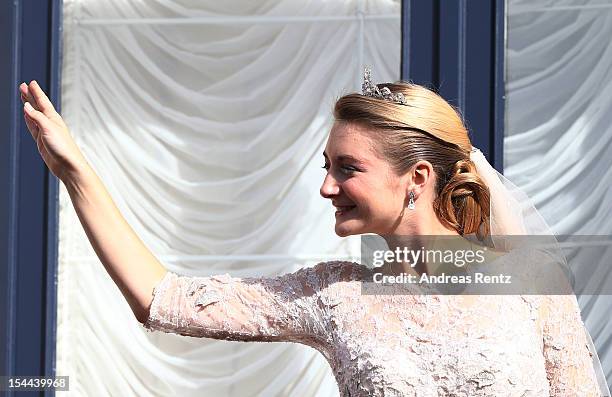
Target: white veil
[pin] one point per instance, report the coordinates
(513, 213)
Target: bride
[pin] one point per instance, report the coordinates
(399, 162)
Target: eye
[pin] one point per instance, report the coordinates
(347, 169)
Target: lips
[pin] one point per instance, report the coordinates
(344, 209)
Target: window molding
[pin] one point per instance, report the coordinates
(457, 48)
(31, 39)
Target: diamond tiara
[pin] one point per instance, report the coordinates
(370, 89)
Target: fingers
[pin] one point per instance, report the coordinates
(32, 127)
(23, 90)
(39, 119)
(43, 102)
(26, 95)
(33, 94)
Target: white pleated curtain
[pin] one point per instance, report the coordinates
(206, 121)
(558, 144)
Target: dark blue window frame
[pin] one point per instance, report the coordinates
(457, 48)
(30, 44)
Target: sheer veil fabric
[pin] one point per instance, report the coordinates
(558, 132)
(512, 212)
(209, 139)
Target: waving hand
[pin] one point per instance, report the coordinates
(54, 142)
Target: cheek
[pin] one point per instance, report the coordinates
(360, 192)
(387, 202)
(395, 192)
(375, 197)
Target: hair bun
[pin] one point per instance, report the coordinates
(463, 203)
(464, 166)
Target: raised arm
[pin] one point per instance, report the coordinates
(128, 261)
(569, 365)
(291, 307)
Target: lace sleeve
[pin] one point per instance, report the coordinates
(283, 308)
(569, 366)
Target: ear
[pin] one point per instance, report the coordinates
(421, 175)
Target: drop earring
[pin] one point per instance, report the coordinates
(411, 205)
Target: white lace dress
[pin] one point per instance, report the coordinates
(392, 345)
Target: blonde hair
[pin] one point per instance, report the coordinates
(427, 128)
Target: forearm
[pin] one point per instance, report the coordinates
(127, 260)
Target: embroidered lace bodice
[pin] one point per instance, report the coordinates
(392, 345)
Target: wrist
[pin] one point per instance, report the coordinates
(77, 175)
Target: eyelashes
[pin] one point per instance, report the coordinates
(346, 169)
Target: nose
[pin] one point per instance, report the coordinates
(330, 187)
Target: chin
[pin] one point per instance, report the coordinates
(344, 230)
(343, 233)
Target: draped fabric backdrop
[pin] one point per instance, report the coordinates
(206, 120)
(558, 144)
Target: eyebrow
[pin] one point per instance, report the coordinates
(345, 157)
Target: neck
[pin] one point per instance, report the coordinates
(423, 222)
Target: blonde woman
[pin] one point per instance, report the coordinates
(398, 163)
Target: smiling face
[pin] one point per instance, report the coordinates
(368, 194)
